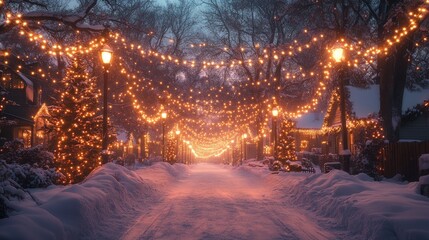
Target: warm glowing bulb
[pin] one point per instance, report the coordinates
(275, 112)
(106, 54)
(338, 54)
(163, 115)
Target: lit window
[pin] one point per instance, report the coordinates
(304, 144)
(25, 135)
(10, 81)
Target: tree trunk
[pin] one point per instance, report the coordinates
(393, 75)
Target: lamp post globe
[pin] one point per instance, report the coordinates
(275, 112)
(338, 54)
(106, 54)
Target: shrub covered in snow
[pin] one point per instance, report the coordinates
(28, 176)
(14, 178)
(22, 168)
(14, 152)
(368, 157)
(29, 167)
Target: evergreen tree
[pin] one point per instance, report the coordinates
(170, 150)
(286, 142)
(77, 123)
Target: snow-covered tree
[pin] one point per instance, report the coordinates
(286, 143)
(77, 123)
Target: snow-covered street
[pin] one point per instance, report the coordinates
(218, 202)
(208, 201)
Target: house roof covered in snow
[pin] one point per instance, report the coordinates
(311, 120)
(367, 100)
(412, 98)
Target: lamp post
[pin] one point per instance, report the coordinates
(245, 143)
(232, 150)
(163, 116)
(339, 57)
(243, 148)
(177, 144)
(183, 151)
(190, 153)
(106, 57)
(275, 113)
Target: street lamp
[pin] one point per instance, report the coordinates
(339, 56)
(243, 147)
(190, 153)
(185, 146)
(163, 116)
(106, 58)
(183, 152)
(177, 144)
(232, 150)
(275, 113)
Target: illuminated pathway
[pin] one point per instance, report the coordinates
(220, 202)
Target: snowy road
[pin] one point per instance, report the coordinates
(164, 201)
(218, 202)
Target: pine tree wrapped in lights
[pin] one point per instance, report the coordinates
(286, 142)
(78, 123)
(170, 150)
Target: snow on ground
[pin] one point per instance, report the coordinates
(209, 201)
(109, 196)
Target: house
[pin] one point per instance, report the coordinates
(362, 108)
(127, 145)
(308, 133)
(415, 119)
(23, 94)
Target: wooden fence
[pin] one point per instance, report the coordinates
(402, 158)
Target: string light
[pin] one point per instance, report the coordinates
(224, 126)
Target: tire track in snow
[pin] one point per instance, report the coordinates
(146, 226)
(217, 203)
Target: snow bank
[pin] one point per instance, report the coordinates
(162, 173)
(73, 212)
(424, 162)
(378, 210)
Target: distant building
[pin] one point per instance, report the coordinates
(308, 133)
(362, 107)
(126, 144)
(22, 117)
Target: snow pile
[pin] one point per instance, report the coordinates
(424, 162)
(378, 210)
(162, 173)
(74, 211)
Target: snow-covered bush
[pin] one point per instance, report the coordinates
(14, 178)
(368, 157)
(28, 167)
(22, 168)
(14, 152)
(30, 177)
